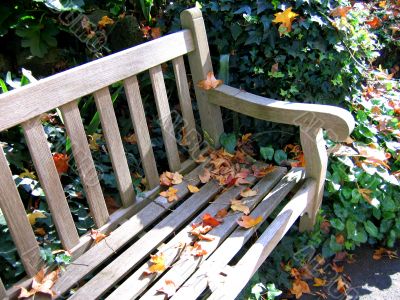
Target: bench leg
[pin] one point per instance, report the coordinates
(316, 158)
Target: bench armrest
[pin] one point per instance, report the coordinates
(338, 122)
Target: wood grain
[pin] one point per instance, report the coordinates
(17, 221)
(50, 182)
(186, 106)
(83, 158)
(337, 121)
(200, 65)
(46, 94)
(164, 115)
(115, 148)
(142, 132)
(3, 293)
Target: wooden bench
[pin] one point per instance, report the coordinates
(150, 224)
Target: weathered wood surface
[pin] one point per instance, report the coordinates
(17, 221)
(200, 65)
(46, 94)
(141, 130)
(164, 117)
(198, 281)
(83, 158)
(260, 250)
(338, 121)
(3, 294)
(50, 182)
(90, 260)
(114, 146)
(186, 106)
(316, 157)
(113, 272)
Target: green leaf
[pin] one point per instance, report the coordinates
(337, 223)
(228, 141)
(267, 153)
(371, 229)
(280, 156)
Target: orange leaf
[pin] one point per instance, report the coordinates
(193, 189)
(299, 287)
(210, 221)
(319, 282)
(248, 192)
(158, 264)
(336, 268)
(170, 194)
(168, 288)
(237, 205)
(131, 139)
(221, 213)
(40, 231)
(286, 18)
(199, 231)
(196, 250)
(61, 162)
(155, 32)
(205, 176)
(248, 221)
(97, 236)
(383, 251)
(340, 11)
(246, 137)
(210, 82)
(42, 284)
(374, 23)
(342, 286)
(105, 20)
(166, 178)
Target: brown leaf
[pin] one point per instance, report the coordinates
(248, 221)
(111, 204)
(340, 239)
(41, 283)
(319, 282)
(336, 268)
(193, 189)
(170, 194)
(237, 205)
(168, 288)
(131, 139)
(97, 236)
(221, 213)
(197, 250)
(210, 82)
(378, 253)
(155, 32)
(342, 286)
(205, 176)
(299, 287)
(248, 192)
(340, 11)
(201, 158)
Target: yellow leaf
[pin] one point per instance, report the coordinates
(93, 141)
(105, 20)
(237, 205)
(170, 194)
(319, 282)
(158, 264)
(193, 189)
(248, 221)
(286, 18)
(27, 174)
(35, 215)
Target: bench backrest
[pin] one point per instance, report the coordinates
(24, 106)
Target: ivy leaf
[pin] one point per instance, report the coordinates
(228, 141)
(280, 156)
(267, 153)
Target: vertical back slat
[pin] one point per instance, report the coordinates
(50, 182)
(17, 221)
(115, 148)
(164, 114)
(142, 132)
(3, 292)
(200, 65)
(87, 171)
(186, 105)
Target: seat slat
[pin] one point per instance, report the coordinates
(198, 281)
(142, 132)
(113, 272)
(90, 260)
(164, 115)
(17, 221)
(3, 293)
(259, 251)
(115, 148)
(186, 106)
(37, 98)
(49, 180)
(87, 171)
(182, 270)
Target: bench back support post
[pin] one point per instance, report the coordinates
(200, 65)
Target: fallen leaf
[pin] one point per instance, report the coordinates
(131, 139)
(193, 189)
(169, 178)
(170, 194)
(205, 176)
(199, 231)
(342, 286)
(42, 284)
(248, 221)
(246, 137)
(105, 20)
(97, 236)
(299, 287)
(248, 192)
(35, 215)
(201, 158)
(286, 18)
(221, 213)
(210, 221)
(336, 268)
(378, 253)
(196, 250)
(319, 281)
(61, 162)
(237, 205)
(168, 288)
(320, 260)
(177, 178)
(155, 32)
(111, 204)
(374, 23)
(40, 231)
(340, 11)
(93, 141)
(210, 82)
(158, 264)
(27, 174)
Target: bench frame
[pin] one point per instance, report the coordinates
(29, 102)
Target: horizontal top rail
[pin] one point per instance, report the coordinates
(36, 98)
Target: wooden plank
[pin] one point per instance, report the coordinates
(244, 270)
(112, 273)
(83, 157)
(46, 94)
(3, 293)
(198, 282)
(137, 283)
(17, 222)
(200, 65)
(337, 121)
(93, 258)
(186, 106)
(115, 148)
(164, 115)
(316, 157)
(50, 182)
(142, 132)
